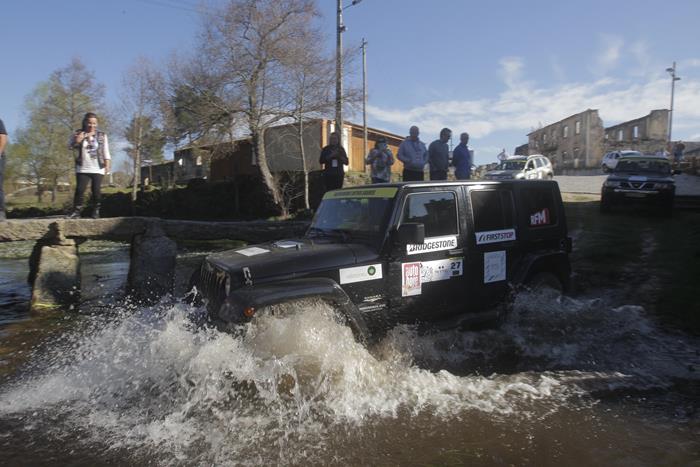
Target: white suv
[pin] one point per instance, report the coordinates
(532, 167)
(610, 159)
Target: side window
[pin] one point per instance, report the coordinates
(492, 210)
(530, 165)
(539, 207)
(539, 162)
(437, 211)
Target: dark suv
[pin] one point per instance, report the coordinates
(401, 253)
(646, 180)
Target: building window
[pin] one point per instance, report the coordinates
(635, 132)
(607, 136)
(564, 156)
(578, 127)
(620, 135)
(577, 153)
(544, 138)
(199, 160)
(566, 131)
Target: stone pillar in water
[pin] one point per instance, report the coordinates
(152, 266)
(54, 271)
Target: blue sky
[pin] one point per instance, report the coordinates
(496, 69)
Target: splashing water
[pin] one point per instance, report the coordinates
(155, 384)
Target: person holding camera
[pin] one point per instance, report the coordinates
(92, 162)
(332, 158)
(380, 160)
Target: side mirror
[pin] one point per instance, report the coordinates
(411, 233)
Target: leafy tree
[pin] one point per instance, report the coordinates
(148, 139)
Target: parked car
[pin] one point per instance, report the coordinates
(646, 180)
(401, 253)
(610, 159)
(522, 167)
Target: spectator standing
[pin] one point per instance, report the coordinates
(439, 155)
(678, 149)
(3, 143)
(380, 159)
(92, 161)
(414, 155)
(462, 158)
(333, 157)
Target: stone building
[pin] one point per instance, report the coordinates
(576, 142)
(648, 134)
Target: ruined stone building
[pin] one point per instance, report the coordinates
(572, 143)
(580, 141)
(648, 134)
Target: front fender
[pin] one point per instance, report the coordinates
(263, 295)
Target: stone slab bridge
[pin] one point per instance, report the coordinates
(54, 265)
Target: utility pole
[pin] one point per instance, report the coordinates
(364, 94)
(340, 28)
(674, 78)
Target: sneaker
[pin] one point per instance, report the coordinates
(96, 213)
(76, 213)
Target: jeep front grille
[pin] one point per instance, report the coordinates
(213, 284)
(637, 185)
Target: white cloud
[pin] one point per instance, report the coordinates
(521, 105)
(609, 55)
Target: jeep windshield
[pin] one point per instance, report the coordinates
(355, 215)
(644, 166)
(511, 165)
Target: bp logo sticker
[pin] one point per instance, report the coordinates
(360, 273)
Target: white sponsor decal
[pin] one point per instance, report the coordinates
(368, 308)
(410, 279)
(432, 244)
(287, 244)
(494, 266)
(495, 236)
(440, 270)
(369, 272)
(540, 218)
(252, 251)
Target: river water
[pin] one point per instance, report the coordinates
(564, 381)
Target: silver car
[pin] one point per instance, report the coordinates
(535, 167)
(609, 161)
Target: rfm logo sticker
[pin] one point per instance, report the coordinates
(540, 218)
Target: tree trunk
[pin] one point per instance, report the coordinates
(258, 140)
(54, 189)
(137, 163)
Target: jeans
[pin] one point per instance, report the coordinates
(412, 175)
(83, 180)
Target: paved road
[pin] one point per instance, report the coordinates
(686, 185)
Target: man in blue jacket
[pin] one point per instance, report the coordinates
(462, 158)
(414, 155)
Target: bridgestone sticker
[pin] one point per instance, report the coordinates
(494, 266)
(369, 272)
(495, 236)
(410, 279)
(252, 251)
(432, 244)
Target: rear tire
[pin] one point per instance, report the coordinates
(546, 281)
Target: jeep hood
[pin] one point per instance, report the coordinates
(287, 259)
(646, 177)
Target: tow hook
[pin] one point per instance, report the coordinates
(247, 276)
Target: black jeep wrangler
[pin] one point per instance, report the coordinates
(401, 253)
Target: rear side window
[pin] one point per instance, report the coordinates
(539, 162)
(492, 210)
(539, 206)
(437, 211)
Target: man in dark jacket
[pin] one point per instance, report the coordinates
(333, 157)
(462, 158)
(439, 155)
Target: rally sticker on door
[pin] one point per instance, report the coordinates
(494, 266)
(410, 279)
(495, 236)
(448, 242)
(414, 275)
(369, 272)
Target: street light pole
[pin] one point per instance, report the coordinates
(364, 94)
(674, 78)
